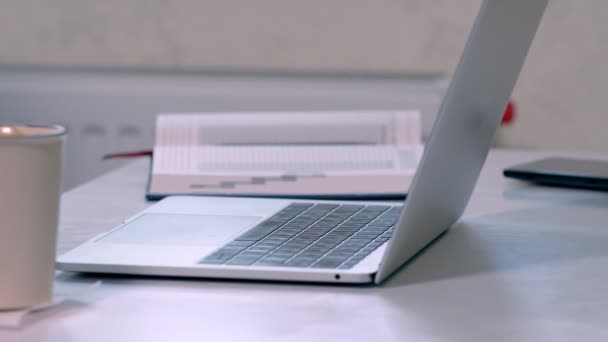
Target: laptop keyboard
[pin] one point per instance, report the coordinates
(311, 235)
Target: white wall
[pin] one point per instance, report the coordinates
(346, 34)
(560, 94)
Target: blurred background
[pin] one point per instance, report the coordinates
(106, 68)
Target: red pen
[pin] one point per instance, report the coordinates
(132, 154)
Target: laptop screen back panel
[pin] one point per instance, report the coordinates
(462, 134)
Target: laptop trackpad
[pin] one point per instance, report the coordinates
(180, 229)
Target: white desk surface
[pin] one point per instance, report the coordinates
(526, 263)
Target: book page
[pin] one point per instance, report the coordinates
(294, 160)
(286, 154)
(290, 128)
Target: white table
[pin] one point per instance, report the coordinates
(526, 263)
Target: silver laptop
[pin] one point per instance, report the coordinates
(325, 241)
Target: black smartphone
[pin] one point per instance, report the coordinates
(566, 172)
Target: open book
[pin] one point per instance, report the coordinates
(337, 155)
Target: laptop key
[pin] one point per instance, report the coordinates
(240, 261)
(213, 261)
(267, 244)
(260, 231)
(300, 262)
(248, 256)
(350, 207)
(340, 254)
(218, 257)
(347, 265)
(274, 222)
(237, 243)
(270, 262)
(329, 262)
(380, 208)
(325, 206)
(259, 250)
(233, 249)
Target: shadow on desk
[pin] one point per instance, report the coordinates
(509, 241)
(491, 275)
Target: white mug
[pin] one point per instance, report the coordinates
(30, 187)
